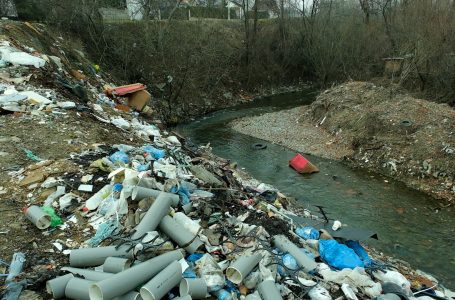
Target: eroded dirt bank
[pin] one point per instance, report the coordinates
(373, 127)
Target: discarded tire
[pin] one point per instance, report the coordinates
(259, 146)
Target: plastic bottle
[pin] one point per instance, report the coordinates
(223, 295)
(109, 204)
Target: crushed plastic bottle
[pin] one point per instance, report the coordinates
(308, 233)
(154, 152)
(109, 205)
(223, 295)
(119, 157)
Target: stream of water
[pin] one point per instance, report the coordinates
(408, 223)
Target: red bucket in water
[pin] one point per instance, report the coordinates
(302, 165)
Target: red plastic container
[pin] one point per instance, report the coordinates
(127, 89)
(302, 165)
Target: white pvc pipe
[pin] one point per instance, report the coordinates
(195, 287)
(116, 264)
(189, 224)
(187, 208)
(56, 287)
(92, 257)
(38, 217)
(152, 218)
(140, 193)
(77, 289)
(129, 296)
(187, 297)
(163, 282)
(88, 274)
(95, 201)
(254, 296)
(240, 268)
(284, 244)
(268, 290)
(126, 281)
(180, 235)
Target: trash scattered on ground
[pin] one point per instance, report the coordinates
(217, 248)
(159, 219)
(138, 97)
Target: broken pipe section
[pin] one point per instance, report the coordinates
(126, 281)
(307, 263)
(180, 235)
(162, 283)
(56, 287)
(116, 264)
(140, 193)
(38, 217)
(152, 218)
(92, 257)
(240, 269)
(268, 290)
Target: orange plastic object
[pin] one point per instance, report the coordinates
(126, 89)
(302, 165)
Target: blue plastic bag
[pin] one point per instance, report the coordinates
(339, 256)
(183, 193)
(194, 257)
(231, 287)
(360, 251)
(119, 156)
(307, 233)
(290, 262)
(154, 152)
(189, 273)
(143, 168)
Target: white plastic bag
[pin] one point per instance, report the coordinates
(319, 293)
(394, 277)
(22, 58)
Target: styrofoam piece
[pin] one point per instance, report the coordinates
(85, 188)
(35, 97)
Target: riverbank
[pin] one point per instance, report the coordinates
(371, 127)
(58, 151)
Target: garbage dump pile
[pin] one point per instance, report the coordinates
(168, 220)
(171, 223)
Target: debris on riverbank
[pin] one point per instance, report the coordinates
(134, 209)
(372, 127)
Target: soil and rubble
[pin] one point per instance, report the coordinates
(378, 128)
(81, 161)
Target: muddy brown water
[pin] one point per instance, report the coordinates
(410, 224)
